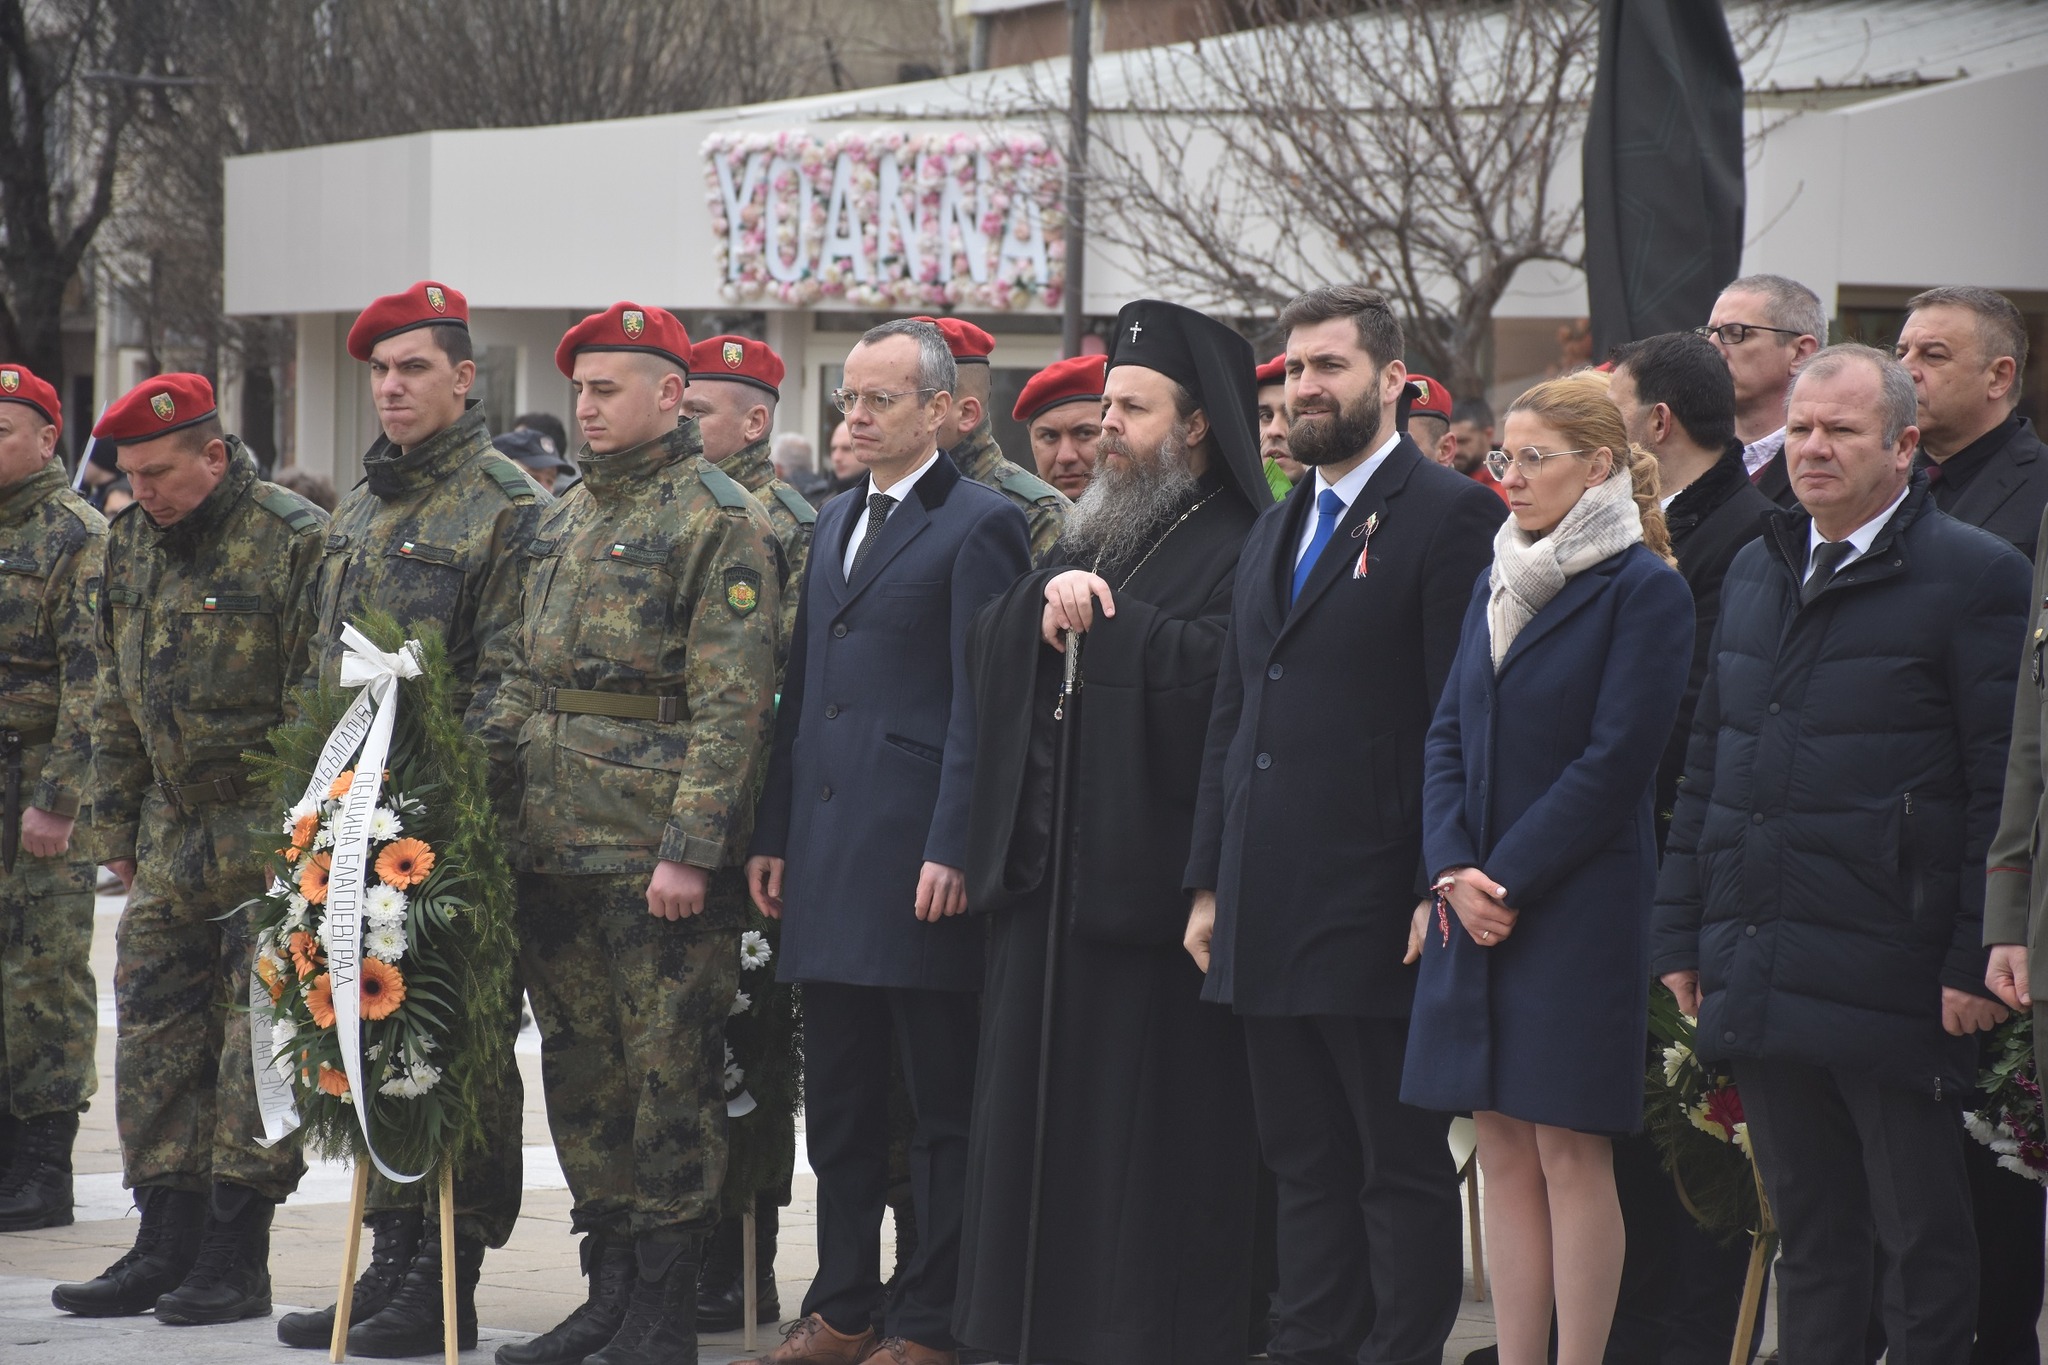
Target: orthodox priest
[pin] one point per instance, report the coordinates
(1146, 1215)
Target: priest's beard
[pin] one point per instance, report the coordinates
(1321, 435)
(1130, 501)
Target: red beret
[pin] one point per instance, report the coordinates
(626, 327)
(1427, 397)
(738, 358)
(19, 385)
(968, 343)
(425, 304)
(156, 407)
(1073, 380)
(1273, 371)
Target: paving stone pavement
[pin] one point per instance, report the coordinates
(527, 1287)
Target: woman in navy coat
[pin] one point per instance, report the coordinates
(1532, 1001)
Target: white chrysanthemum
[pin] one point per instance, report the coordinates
(297, 904)
(754, 951)
(412, 1083)
(385, 943)
(1675, 1058)
(741, 1003)
(385, 824)
(374, 1051)
(384, 906)
(324, 838)
(734, 1078)
(1976, 1126)
(1742, 1140)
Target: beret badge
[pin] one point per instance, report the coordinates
(163, 407)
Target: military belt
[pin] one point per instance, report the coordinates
(188, 794)
(571, 701)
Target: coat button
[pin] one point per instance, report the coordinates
(1274, 672)
(1264, 760)
(832, 711)
(1750, 931)
(1756, 817)
(839, 631)
(825, 795)
(1774, 708)
(1729, 1036)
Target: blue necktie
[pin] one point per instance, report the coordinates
(1329, 507)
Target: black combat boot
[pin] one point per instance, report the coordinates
(661, 1316)
(36, 1190)
(231, 1279)
(394, 1237)
(165, 1247)
(608, 1263)
(410, 1324)
(721, 1298)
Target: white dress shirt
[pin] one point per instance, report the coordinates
(1347, 488)
(1860, 538)
(1762, 451)
(897, 491)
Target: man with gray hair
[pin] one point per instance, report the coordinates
(1764, 327)
(1817, 909)
(1966, 349)
(860, 840)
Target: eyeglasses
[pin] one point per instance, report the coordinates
(846, 400)
(1735, 333)
(1528, 459)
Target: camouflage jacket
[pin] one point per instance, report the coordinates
(1044, 506)
(656, 576)
(431, 535)
(53, 550)
(201, 640)
(791, 515)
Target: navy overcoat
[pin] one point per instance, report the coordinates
(1541, 776)
(874, 739)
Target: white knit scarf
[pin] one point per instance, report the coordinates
(1530, 570)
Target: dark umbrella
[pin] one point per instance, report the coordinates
(1065, 720)
(1663, 168)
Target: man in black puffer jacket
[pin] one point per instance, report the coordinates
(1822, 894)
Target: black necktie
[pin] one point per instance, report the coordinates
(878, 512)
(1827, 558)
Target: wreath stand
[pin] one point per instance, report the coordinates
(352, 1246)
(1761, 1244)
(750, 1289)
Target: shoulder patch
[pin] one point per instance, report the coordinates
(288, 507)
(742, 590)
(794, 502)
(1028, 486)
(722, 487)
(507, 474)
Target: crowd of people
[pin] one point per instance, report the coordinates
(1297, 759)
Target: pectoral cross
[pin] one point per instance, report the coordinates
(1135, 329)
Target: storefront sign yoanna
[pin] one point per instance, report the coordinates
(888, 219)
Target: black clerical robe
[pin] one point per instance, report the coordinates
(1151, 1157)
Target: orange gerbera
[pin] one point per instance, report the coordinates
(313, 878)
(304, 828)
(290, 855)
(383, 988)
(273, 980)
(339, 787)
(305, 951)
(320, 1001)
(404, 863)
(332, 1081)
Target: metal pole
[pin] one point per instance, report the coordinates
(1081, 13)
(1055, 916)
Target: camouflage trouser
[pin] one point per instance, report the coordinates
(489, 1182)
(49, 1009)
(184, 1093)
(632, 1015)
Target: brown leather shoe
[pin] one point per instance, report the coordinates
(898, 1351)
(812, 1341)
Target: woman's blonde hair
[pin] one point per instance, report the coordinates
(1579, 408)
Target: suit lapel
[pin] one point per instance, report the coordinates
(904, 525)
(834, 529)
(1286, 532)
(1341, 553)
(1576, 593)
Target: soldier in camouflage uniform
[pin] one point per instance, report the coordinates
(636, 720)
(434, 535)
(972, 443)
(200, 644)
(52, 550)
(735, 384)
